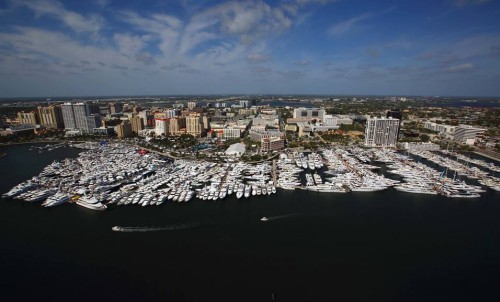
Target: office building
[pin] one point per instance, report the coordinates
(467, 134)
(231, 133)
(381, 132)
(447, 130)
(309, 113)
(330, 120)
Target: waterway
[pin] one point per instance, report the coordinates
(383, 246)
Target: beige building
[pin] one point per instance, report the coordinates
(206, 122)
(137, 124)
(177, 126)
(191, 105)
(51, 116)
(124, 130)
(194, 124)
(27, 118)
(269, 144)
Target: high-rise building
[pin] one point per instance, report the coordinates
(191, 105)
(381, 132)
(91, 121)
(124, 130)
(206, 123)
(68, 116)
(51, 116)
(115, 108)
(396, 113)
(177, 126)
(170, 113)
(147, 117)
(194, 124)
(27, 118)
(83, 116)
(161, 126)
(136, 109)
(245, 104)
(137, 124)
(81, 112)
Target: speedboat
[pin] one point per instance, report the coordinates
(264, 219)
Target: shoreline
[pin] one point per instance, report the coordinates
(37, 142)
(487, 156)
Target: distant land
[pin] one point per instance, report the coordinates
(216, 96)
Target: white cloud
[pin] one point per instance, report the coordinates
(255, 57)
(249, 21)
(58, 51)
(344, 26)
(77, 22)
(128, 44)
(165, 27)
(462, 67)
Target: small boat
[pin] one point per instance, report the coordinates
(264, 219)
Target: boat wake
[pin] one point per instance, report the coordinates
(173, 227)
(271, 218)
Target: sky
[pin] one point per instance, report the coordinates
(337, 47)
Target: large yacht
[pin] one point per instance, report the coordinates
(57, 199)
(91, 202)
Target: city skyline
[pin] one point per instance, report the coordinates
(63, 48)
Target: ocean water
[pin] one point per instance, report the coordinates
(382, 246)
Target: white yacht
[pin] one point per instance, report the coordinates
(91, 202)
(57, 199)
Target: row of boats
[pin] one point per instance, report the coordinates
(116, 174)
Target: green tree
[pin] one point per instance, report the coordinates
(424, 137)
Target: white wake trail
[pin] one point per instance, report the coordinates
(282, 216)
(173, 227)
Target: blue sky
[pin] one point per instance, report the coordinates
(119, 47)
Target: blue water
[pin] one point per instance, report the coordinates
(384, 246)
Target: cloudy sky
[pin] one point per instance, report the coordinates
(124, 47)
